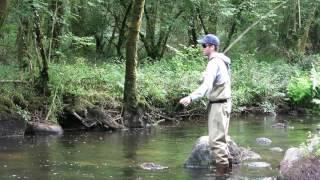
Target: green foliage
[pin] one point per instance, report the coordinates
(158, 83)
(164, 81)
(304, 88)
(23, 113)
(71, 44)
(300, 89)
(82, 79)
(312, 145)
(260, 83)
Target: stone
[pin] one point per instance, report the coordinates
(276, 149)
(301, 163)
(202, 156)
(292, 155)
(37, 128)
(257, 165)
(152, 166)
(304, 168)
(279, 125)
(263, 141)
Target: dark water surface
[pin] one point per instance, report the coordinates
(102, 155)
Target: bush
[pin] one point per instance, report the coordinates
(300, 89)
(261, 84)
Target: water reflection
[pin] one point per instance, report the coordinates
(132, 141)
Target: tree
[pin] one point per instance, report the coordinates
(3, 10)
(122, 26)
(297, 25)
(43, 79)
(132, 115)
(159, 28)
(56, 8)
(23, 42)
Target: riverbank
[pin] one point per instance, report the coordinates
(78, 88)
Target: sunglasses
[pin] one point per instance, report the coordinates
(205, 45)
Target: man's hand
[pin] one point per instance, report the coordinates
(185, 101)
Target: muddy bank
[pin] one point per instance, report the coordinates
(12, 125)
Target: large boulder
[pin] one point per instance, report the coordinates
(12, 124)
(304, 168)
(203, 157)
(301, 163)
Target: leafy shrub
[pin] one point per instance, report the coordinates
(300, 89)
(261, 84)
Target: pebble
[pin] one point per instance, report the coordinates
(258, 165)
(263, 141)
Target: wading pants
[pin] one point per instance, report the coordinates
(218, 124)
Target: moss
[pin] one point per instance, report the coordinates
(37, 103)
(19, 100)
(76, 103)
(6, 102)
(81, 104)
(6, 105)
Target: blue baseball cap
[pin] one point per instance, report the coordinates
(209, 39)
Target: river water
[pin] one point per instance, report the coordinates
(104, 155)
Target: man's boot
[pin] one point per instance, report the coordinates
(230, 163)
(222, 170)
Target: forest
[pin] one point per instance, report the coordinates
(69, 58)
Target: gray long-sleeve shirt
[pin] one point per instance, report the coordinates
(216, 73)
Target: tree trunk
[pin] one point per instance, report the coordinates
(155, 48)
(204, 28)
(302, 40)
(234, 25)
(315, 37)
(22, 43)
(57, 10)
(44, 76)
(149, 41)
(131, 114)
(192, 32)
(3, 11)
(122, 30)
(99, 42)
(164, 36)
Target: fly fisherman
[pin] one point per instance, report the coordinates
(216, 85)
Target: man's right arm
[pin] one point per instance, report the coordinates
(206, 86)
(209, 76)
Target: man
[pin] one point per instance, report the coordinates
(217, 86)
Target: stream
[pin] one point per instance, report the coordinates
(117, 155)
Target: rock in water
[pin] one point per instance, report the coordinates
(152, 166)
(258, 165)
(263, 141)
(295, 165)
(43, 129)
(203, 157)
(276, 149)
